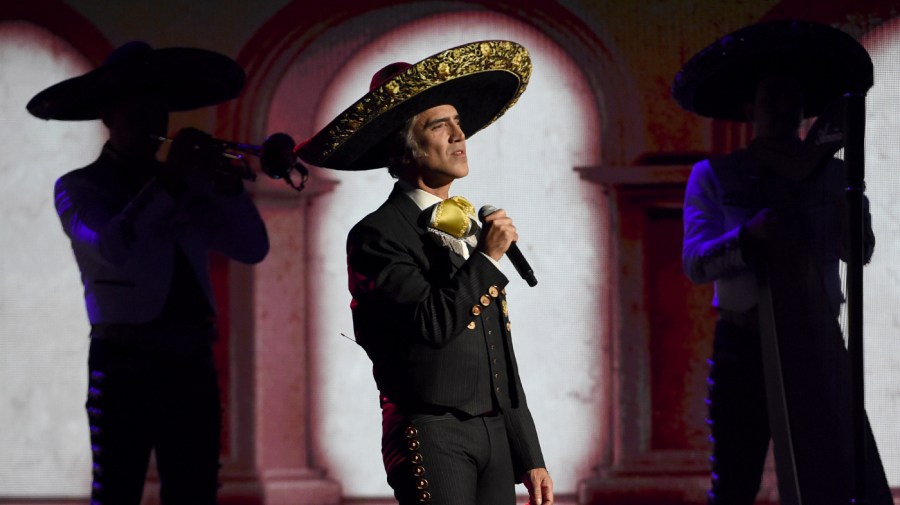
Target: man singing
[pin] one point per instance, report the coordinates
(429, 303)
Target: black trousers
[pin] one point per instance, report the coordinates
(142, 399)
(737, 413)
(447, 458)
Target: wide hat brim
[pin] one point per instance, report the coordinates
(720, 80)
(481, 79)
(187, 78)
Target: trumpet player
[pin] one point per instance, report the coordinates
(141, 231)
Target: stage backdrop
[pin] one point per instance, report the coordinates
(523, 163)
(43, 325)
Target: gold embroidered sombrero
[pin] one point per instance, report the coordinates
(187, 78)
(481, 79)
(719, 80)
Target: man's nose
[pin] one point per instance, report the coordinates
(456, 134)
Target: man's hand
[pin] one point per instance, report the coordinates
(764, 225)
(193, 149)
(497, 234)
(540, 486)
(196, 163)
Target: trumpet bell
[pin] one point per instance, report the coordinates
(277, 158)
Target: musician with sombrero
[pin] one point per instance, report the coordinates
(768, 226)
(141, 232)
(429, 301)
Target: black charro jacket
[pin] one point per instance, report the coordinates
(419, 313)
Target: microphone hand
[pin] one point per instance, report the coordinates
(497, 234)
(499, 237)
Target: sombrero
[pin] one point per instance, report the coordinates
(719, 80)
(481, 79)
(188, 78)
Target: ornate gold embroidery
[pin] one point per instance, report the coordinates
(445, 66)
(443, 70)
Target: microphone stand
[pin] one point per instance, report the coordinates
(854, 161)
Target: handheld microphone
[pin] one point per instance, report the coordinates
(513, 253)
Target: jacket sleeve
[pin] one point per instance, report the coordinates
(869, 237)
(523, 439)
(868, 232)
(709, 250)
(843, 209)
(237, 230)
(99, 226)
(387, 275)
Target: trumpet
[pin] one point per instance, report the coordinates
(276, 158)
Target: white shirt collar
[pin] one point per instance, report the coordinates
(422, 198)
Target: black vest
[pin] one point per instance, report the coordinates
(495, 387)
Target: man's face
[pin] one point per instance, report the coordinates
(135, 123)
(441, 156)
(777, 107)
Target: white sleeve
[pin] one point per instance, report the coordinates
(709, 250)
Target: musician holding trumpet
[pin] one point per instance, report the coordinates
(141, 231)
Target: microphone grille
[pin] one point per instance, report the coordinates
(486, 211)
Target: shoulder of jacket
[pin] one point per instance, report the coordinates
(387, 219)
(733, 160)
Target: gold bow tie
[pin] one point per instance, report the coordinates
(455, 216)
(452, 224)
